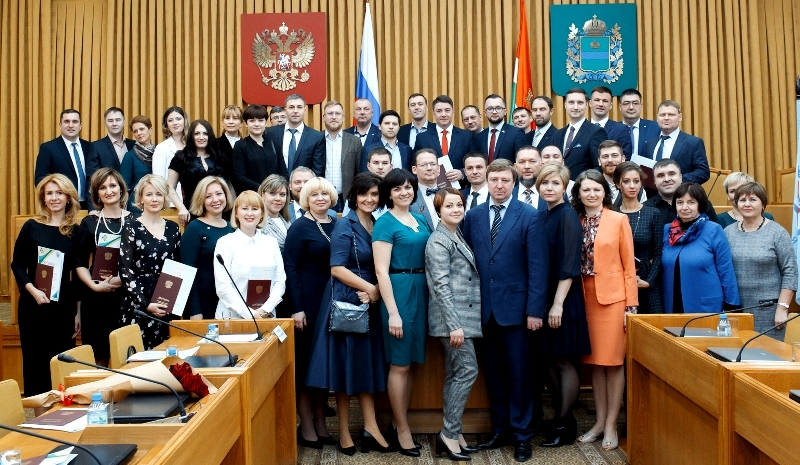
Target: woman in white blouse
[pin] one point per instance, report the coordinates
(174, 129)
(246, 253)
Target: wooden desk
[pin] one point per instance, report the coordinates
(680, 399)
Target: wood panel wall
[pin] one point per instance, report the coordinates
(731, 64)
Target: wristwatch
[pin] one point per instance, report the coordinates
(784, 305)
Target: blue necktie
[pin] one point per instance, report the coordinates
(292, 148)
(633, 143)
(81, 173)
(496, 222)
(660, 153)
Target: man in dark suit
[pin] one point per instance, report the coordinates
(475, 169)
(389, 124)
(528, 165)
(471, 119)
(446, 139)
(688, 151)
(300, 144)
(68, 155)
(342, 152)
(499, 140)
(580, 139)
(259, 154)
(506, 238)
(542, 111)
(600, 105)
(427, 170)
(522, 118)
(112, 148)
(640, 130)
(418, 107)
(367, 132)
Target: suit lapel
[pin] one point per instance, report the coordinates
(509, 219)
(679, 142)
(459, 244)
(483, 227)
(422, 208)
(68, 154)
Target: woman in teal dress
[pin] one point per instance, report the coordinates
(398, 244)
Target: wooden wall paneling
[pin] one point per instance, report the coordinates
(753, 94)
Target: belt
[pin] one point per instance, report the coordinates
(406, 271)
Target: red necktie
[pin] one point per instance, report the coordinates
(491, 145)
(445, 150)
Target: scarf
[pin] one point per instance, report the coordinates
(144, 153)
(678, 235)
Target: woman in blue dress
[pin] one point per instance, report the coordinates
(398, 243)
(350, 363)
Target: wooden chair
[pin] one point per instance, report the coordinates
(784, 185)
(11, 400)
(716, 194)
(60, 370)
(792, 330)
(121, 340)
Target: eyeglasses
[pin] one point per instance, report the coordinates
(427, 165)
(634, 103)
(494, 109)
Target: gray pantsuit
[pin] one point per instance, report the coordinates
(461, 370)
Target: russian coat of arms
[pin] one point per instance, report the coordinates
(283, 57)
(594, 53)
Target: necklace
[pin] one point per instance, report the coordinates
(763, 220)
(327, 218)
(105, 224)
(638, 218)
(405, 222)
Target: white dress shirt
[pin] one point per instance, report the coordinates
(669, 144)
(601, 122)
(449, 136)
(483, 194)
(534, 195)
(162, 156)
(287, 139)
(577, 127)
(429, 203)
(635, 139)
(81, 182)
(333, 160)
(240, 252)
(499, 128)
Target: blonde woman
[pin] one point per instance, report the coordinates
(732, 182)
(47, 326)
(275, 192)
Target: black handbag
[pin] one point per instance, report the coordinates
(347, 317)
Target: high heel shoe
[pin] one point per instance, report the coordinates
(588, 437)
(441, 448)
(349, 451)
(391, 437)
(469, 450)
(326, 440)
(611, 444)
(308, 443)
(368, 443)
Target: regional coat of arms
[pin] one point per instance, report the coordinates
(283, 58)
(594, 53)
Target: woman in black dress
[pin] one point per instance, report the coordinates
(101, 300)
(200, 158)
(146, 242)
(566, 334)
(232, 125)
(307, 260)
(648, 235)
(47, 326)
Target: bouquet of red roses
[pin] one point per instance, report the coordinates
(192, 382)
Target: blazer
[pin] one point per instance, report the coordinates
(614, 263)
(106, 155)
(404, 133)
(373, 135)
(454, 285)
(225, 146)
(351, 160)
(55, 158)
(582, 155)
(252, 163)
(648, 130)
(708, 279)
(460, 143)
(509, 140)
(547, 138)
(420, 207)
(689, 152)
(514, 270)
(310, 149)
(619, 132)
(405, 155)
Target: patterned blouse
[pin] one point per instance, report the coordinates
(590, 224)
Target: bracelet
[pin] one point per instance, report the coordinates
(784, 305)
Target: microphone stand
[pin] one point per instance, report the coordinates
(739, 356)
(47, 438)
(761, 303)
(258, 331)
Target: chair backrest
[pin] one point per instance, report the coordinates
(120, 340)
(784, 185)
(11, 400)
(60, 370)
(792, 330)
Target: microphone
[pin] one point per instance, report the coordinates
(258, 331)
(48, 438)
(739, 356)
(761, 303)
(202, 361)
(70, 359)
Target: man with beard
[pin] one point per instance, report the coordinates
(542, 111)
(342, 151)
(499, 140)
(610, 156)
(528, 165)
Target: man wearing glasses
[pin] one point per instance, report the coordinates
(499, 140)
(640, 130)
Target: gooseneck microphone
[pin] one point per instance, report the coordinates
(48, 438)
(70, 359)
(739, 356)
(761, 303)
(202, 361)
(244, 301)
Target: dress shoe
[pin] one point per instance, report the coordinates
(441, 448)
(391, 438)
(349, 451)
(307, 443)
(368, 443)
(326, 440)
(522, 451)
(563, 433)
(469, 450)
(588, 437)
(611, 444)
(495, 441)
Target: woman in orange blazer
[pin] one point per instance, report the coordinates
(608, 270)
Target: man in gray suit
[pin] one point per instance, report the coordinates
(427, 170)
(342, 151)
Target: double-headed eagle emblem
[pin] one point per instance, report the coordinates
(271, 52)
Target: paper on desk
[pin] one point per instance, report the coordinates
(79, 424)
(234, 338)
(153, 355)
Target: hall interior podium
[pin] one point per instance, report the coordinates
(685, 406)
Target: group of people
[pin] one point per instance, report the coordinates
(531, 262)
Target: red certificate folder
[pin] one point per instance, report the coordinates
(166, 291)
(106, 263)
(44, 278)
(257, 292)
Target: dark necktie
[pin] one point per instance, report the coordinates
(528, 199)
(430, 191)
(660, 153)
(81, 173)
(474, 202)
(633, 143)
(496, 222)
(569, 139)
(492, 141)
(292, 147)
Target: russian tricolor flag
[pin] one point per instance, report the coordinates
(367, 77)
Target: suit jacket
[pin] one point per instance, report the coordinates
(547, 138)
(55, 158)
(351, 160)
(404, 133)
(252, 163)
(460, 143)
(542, 205)
(373, 135)
(689, 152)
(106, 154)
(405, 155)
(582, 155)
(454, 285)
(614, 264)
(619, 132)
(648, 130)
(420, 207)
(310, 149)
(514, 270)
(509, 140)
